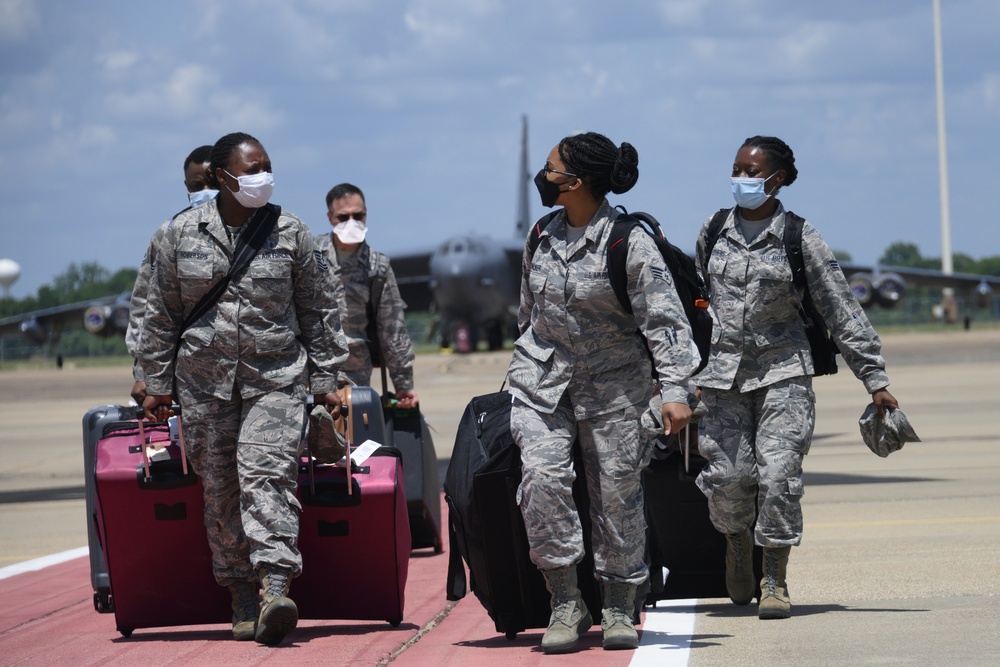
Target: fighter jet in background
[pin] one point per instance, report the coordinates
(101, 317)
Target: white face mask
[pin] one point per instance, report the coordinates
(255, 189)
(350, 231)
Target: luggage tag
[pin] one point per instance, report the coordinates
(156, 450)
(177, 436)
(361, 454)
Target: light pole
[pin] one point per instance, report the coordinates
(946, 259)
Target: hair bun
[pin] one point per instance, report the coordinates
(625, 173)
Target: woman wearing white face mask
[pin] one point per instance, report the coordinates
(241, 371)
(758, 382)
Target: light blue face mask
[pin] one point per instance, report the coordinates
(749, 192)
(200, 197)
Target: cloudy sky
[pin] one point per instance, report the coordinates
(419, 102)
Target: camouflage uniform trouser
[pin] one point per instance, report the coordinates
(246, 453)
(614, 455)
(754, 443)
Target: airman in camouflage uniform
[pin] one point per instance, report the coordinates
(757, 384)
(364, 278)
(242, 371)
(196, 182)
(581, 373)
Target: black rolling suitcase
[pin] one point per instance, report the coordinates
(486, 528)
(408, 432)
(681, 536)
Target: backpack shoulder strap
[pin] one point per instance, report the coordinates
(792, 238)
(535, 234)
(714, 231)
(621, 228)
(251, 239)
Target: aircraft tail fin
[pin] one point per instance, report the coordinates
(523, 206)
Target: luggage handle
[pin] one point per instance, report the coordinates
(345, 410)
(143, 441)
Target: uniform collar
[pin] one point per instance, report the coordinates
(208, 215)
(775, 228)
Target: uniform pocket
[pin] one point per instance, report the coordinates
(775, 281)
(195, 269)
(194, 340)
(198, 337)
(276, 342)
(536, 283)
(277, 269)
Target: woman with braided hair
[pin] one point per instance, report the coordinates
(758, 381)
(581, 373)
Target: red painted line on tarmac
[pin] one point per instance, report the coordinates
(47, 616)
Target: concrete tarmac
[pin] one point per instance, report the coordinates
(900, 562)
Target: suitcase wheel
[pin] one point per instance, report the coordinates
(511, 635)
(439, 546)
(104, 603)
(394, 622)
(126, 632)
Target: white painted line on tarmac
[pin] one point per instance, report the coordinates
(666, 634)
(43, 562)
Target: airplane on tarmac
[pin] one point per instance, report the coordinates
(103, 317)
(471, 283)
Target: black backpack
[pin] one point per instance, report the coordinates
(687, 281)
(821, 345)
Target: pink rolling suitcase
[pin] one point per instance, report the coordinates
(151, 526)
(353, 521)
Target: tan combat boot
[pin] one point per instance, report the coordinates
(570, 617)
(246, 607)
(739, 568)
(616, 617)
(278, 614)
(774, 600)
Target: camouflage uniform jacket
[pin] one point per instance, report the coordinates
(270, 329)
(137, 305)
(357, 274)
(573, 330)
(758, 337)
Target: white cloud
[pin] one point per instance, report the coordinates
(18, 19)
(446, 23)
(989, 89)
(682, 12)
(191, 91)
(118, 61)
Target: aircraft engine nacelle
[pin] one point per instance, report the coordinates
(105, 321)
(983, 294)
(33, 331)
(864, 290)
(889, 290)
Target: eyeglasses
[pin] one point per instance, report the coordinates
(556, 171)
(344, 217)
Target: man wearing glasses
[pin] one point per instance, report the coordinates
(374, 311)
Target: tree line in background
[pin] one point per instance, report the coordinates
(90, 280)
(79, 283)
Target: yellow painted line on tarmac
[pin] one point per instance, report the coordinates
(904, 522)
